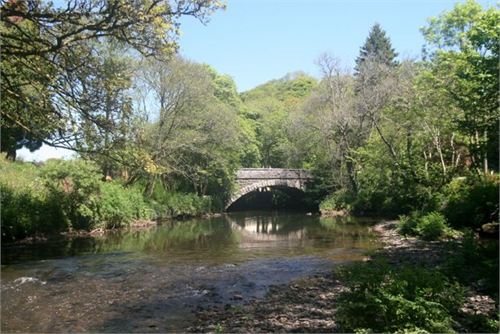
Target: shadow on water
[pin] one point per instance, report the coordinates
(152, 279)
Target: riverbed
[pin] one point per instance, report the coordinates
(155, 280)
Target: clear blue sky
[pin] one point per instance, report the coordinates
(255, 41)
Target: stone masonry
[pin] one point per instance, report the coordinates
(252, 179)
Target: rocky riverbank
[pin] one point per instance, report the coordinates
(309, 305)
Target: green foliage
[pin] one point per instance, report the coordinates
(60, 195)
(27, 208)
(118, 206)
(407, 225)
(86, 201)
(463, 47)
(107, 77)
(475, 263)
(339, 200)
(385, 299)
(481, 260)
(471, 202)
(76, 185)
(268, 108)
(431, 226)
(411, 128)
(171, 205)
(377, 47)
(196, 143)
(50, 52)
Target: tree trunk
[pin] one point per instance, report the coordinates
(485, 152)
(150, 186)
(351, 173)
(11, 153)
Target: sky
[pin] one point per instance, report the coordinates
(255, 41)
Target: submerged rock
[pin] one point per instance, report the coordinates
(23, 280)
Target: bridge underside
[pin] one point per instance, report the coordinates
(267, 186)
(272, 198)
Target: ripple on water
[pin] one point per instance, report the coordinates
(153, 280)
(23, 280)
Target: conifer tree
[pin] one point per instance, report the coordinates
(377, 47)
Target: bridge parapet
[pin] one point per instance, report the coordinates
(272, 173)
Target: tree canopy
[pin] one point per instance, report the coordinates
(377, 47)
(46, 49)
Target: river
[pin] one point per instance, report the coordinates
(154, 280)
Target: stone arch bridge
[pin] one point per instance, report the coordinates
(253, 179)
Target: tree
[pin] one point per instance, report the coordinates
(268, 107)
(328, 118)
(105, 98)
(151, 29)
(377, 47)
(464, 51)
(373, 75)
(194, 136)
(42, 45)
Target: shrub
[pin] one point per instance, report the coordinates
(61, 195)
(382, 299)
(481, 260)
(75, 184)
(27, 213)
(339, 200)
(407, 224)
(471, 202)
(118, 206)
(27, 208)
(181, 205)
(432, 226)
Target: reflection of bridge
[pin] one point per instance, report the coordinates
(254, 179)
(258, 234)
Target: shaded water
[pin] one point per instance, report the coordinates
(153, 280)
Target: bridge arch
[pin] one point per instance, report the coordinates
(251, 179)
(296, 184)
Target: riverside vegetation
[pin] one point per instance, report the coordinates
(414, 139)
(70, 195)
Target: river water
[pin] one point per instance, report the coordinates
(153, 280)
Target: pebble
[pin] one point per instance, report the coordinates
(308, 305)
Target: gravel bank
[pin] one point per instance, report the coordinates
(309, 305)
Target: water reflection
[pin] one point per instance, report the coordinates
(151, 279)
(304, 234)
(232, 237)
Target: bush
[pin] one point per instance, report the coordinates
(408, 224)
(75, 184)
(339, 200)
(61, 195)
(382, 299)
(26, 213)
(118, 206)
(432, 226)
(481, 260)
(170, 205)
(27, 208)
(471, 202)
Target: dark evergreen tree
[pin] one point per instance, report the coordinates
(377, 47)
